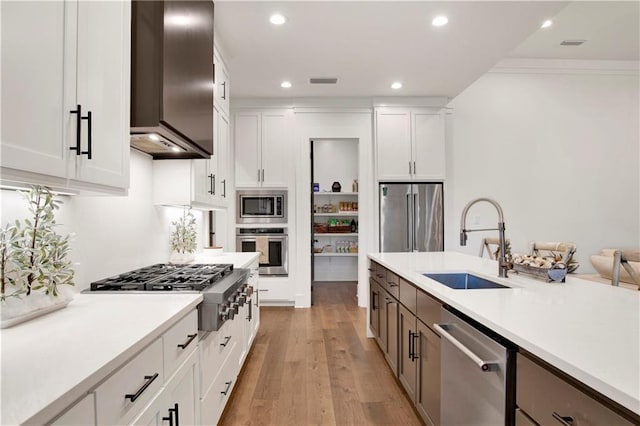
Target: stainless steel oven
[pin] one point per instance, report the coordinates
(272, 243)
(262, 206)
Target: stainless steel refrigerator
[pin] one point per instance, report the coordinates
(411, 217)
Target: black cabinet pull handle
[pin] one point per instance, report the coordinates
(224, 188)
(224, 392)
(169, 419)
(89, 132)
(371, 269)
(189, 340)
(414, 356)
(149, 380)
(77, 111)
(392, 284)
(565, 420)
(410, 345)
(212, 184)
(176, 413)
(226, 341)
(224, 90)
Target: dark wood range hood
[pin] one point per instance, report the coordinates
(172, 78)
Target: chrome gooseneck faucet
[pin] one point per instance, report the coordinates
(503, 265)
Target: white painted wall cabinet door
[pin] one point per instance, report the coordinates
(275, 150)
(103, 91)
(428, 146)
(35, 52)
(247, 145)
(393, 140)
(222, 156)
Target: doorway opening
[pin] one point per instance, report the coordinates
(334, 212)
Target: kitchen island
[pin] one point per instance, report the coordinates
(587, 330)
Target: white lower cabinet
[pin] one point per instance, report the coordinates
(212, 404)
(83, 413)
(121, 397)
(177, 402)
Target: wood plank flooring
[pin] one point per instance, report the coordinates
(316, 366)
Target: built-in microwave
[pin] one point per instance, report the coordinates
(261, 206)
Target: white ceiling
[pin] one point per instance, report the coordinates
(369, 45)
(611, 31)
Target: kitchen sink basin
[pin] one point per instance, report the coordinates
(463, 281)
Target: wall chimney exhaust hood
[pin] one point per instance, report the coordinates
(172, 78)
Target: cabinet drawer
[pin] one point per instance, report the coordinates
(392, 284)
(408, 295)
(83, 413)
(544, 396)
(212, 405)
(214, 349)
(179, 341)
(141, 378)
(428, 309)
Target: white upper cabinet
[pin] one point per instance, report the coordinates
(263, 148)
(247, 145)
(393, 138)
(103, 89)
(221, 90)
(410, 144)
(58, 55)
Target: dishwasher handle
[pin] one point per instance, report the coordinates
(484, 365)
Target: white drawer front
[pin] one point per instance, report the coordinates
(212, 405)
(113, 407)
(214, 349)
(179, 341)
(83, 413)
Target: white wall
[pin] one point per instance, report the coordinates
(112, 234)
(558, 149)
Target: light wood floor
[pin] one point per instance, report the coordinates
(316, 366)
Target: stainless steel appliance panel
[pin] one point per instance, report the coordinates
(278, 243)
(261, 206)
(473, 374)
(395, 218)
(411, 217)
(428, 223)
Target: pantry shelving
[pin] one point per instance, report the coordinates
(335, 214)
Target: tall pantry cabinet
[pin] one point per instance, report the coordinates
(65, 94)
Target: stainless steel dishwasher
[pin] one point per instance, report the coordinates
(477, 374)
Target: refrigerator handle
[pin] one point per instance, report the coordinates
(415, 231)
(408, 224)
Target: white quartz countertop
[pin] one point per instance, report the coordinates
(239, 260)
(588, 330)
(51, 361)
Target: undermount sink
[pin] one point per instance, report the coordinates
(463, 281)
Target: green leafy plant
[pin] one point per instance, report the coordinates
(33, 257)
(183, 237)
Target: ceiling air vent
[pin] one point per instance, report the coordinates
(331, 80)
(572, 42)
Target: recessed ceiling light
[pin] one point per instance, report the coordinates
(175, 149)
(396, 85)
(277, 19)
(285, 84)
(439, 21)
(546, 24)
(154, 137)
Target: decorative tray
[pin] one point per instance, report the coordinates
(556, 273)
